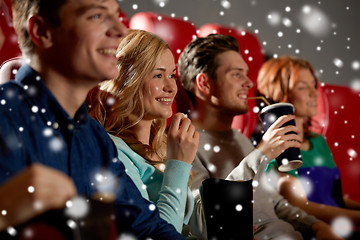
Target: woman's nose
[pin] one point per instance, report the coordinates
(170, 85)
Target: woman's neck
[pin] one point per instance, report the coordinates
(142, 131)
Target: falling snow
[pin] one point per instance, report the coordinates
(311, 22)
(342, 226)
(56, 144)
(105, 182)
(124, 236)
(152, 207)
(77, 207)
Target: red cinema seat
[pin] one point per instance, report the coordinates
(177, 33)
(9, 68)
(342, 132)
(124, 19)
(251, 51)
(9, 47)
(320, 122)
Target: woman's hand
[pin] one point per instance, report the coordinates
(274, 141)
(182, 139)
(324, 232)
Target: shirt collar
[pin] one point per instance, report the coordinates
(46, 104)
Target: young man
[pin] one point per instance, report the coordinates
(50, 149)
(214, 73)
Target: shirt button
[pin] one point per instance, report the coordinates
(55, 125)
(70, 127)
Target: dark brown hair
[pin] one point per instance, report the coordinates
(23, 9)
(200, 56)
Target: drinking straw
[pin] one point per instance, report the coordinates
(261, 98)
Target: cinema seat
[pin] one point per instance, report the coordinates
(251, 51)
(338, 122)
(9, 68)
(175, 31)
(9, 47)
(124, 18)
(342, 133)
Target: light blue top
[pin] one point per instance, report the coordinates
(168, 189)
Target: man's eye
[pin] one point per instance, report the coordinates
(238, 75)
(96, 16)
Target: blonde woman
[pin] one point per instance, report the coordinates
(133, 108)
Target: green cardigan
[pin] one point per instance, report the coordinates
(168, 189)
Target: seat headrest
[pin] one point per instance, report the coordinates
(175, 31)
(8, 69)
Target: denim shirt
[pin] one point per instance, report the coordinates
(35, 128)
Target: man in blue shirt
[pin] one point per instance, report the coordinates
(50, 149)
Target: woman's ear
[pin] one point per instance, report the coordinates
(203, 84)
(39, 32)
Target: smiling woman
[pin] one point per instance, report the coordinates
(317, 181)
(133, 108)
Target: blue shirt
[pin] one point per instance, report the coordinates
(35, 128)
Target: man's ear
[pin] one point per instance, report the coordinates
(39, 32)
(203, 83)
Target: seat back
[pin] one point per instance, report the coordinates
(124, 18)
(251, 52)
(9, 47)
(320, 122)
(9, 68)
(175, 31)
(342, 132)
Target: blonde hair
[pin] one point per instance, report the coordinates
(137, 55)
(278, 76)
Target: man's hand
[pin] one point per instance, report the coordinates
(275, 140)
(31, 192)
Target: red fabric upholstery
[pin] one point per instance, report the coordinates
(342, 133)
(9, 68)
(124, 19)
(320, 122)
(9, 47)
(175, 31)
(338, 123)
(251, 51)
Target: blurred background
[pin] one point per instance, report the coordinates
(325, 32)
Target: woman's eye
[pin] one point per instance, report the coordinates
(158, 76)
(172, 76)
(302, 88)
